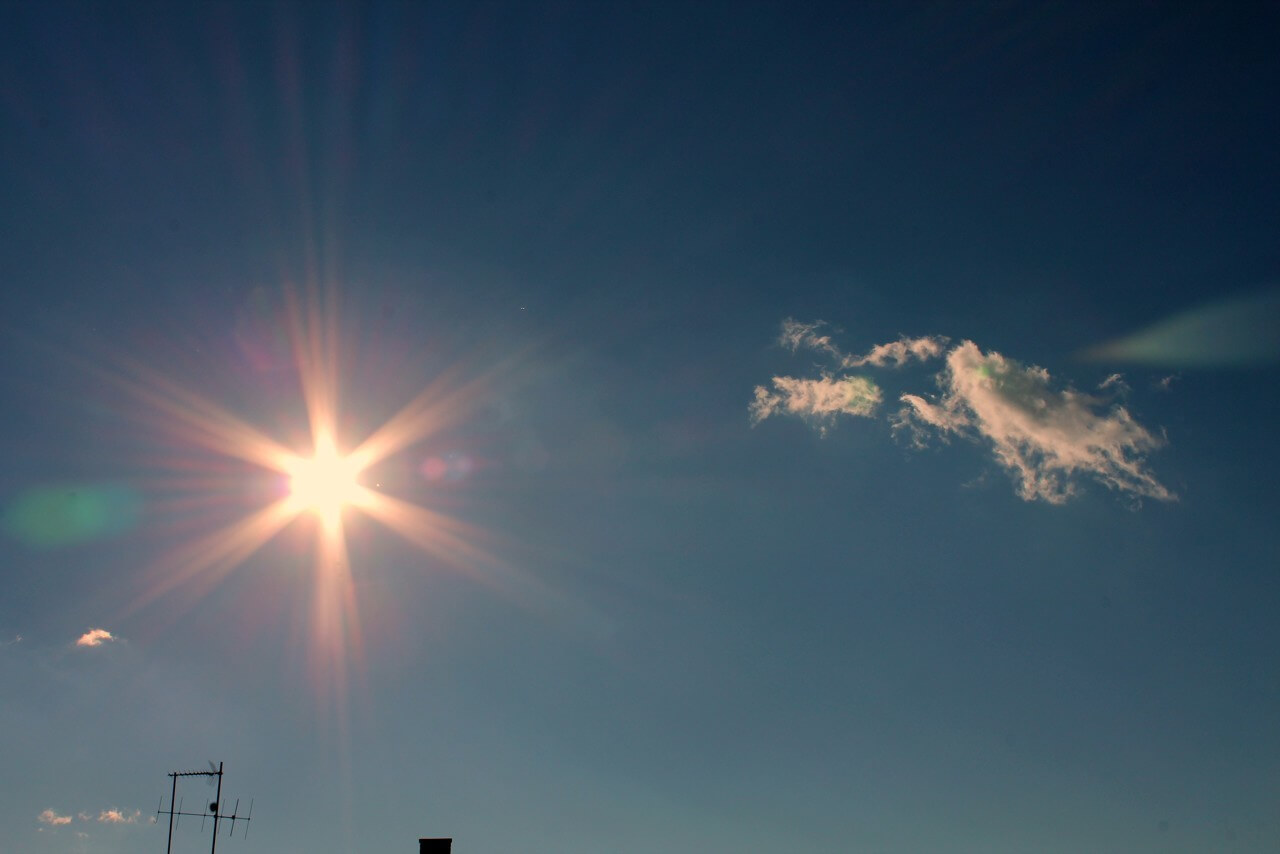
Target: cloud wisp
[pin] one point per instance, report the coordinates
(796, 335)
(95, 637)
(1048, 437)
(52, 818)
(820, 401)
(817, 401)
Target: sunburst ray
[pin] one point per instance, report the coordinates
(320, 481)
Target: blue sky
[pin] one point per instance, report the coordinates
(836, 428)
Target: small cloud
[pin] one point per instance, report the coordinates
(84, 816)
(82, 834)
(817, 401)
(52, 819)
(1045, 437)
(1165, 383)
(114, 816)
(900, 352)
(95, 637)
(17, 639)
(796, 335)
(821, 400)
(1115, 382)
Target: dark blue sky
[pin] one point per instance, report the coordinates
(742, 580)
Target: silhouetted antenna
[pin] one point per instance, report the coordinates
(214, 810)
(235, 816)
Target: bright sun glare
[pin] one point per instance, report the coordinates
(325, 483)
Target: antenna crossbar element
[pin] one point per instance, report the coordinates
(206, 814)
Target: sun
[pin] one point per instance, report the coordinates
(325, 483)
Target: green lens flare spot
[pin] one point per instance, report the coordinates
(53, 516)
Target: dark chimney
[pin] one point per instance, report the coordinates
(440, 845)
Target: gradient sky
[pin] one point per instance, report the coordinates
(729, 574)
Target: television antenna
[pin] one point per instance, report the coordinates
(216, 810)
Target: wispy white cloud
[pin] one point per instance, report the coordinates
(1047, 438)
(1116, 383)
(817, 401)
(95, 637)
(898, 353)
(115, 816)
(52, 819)
(820, 401)
(796, 335)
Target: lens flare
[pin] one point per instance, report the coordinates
(55, 516)
(1236, 332)
(324, 482)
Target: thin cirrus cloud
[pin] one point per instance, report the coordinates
(821, 401)
(1048, 438)
(796, 335)
(108, 816)
(95, 637)
(817, 401)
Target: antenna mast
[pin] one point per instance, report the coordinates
(214, 811)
